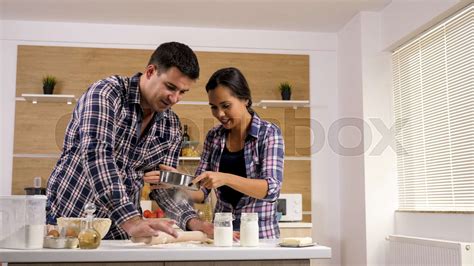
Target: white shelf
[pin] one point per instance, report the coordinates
(297, 158)
(187, 158)
(36, 155)
(279, 103)
(54, 98)
(294, 225)
(194, 103)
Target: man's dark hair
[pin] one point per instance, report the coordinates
(175, 54)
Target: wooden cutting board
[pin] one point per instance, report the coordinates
(164, 238)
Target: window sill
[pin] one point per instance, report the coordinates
(443, 212)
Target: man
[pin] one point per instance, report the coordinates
(121, 128)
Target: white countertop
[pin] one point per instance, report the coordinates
(125, 250)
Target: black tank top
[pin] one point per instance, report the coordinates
(232, 163)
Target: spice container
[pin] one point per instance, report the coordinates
(249, 230)
(223, 229)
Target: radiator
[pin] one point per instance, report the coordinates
(405, 250)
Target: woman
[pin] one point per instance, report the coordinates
(242, 158)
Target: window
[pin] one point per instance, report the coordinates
(434, 113)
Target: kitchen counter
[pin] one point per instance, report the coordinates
(126, 251)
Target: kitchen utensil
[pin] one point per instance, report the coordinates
(178, 180)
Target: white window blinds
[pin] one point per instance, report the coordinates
(434, 114)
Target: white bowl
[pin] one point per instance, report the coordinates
(102, 225)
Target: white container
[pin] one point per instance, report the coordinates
(145, 205)
(249, 230)
(223, 229)
(22, 220)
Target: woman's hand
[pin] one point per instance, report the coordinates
(153, 177)
(211, 180)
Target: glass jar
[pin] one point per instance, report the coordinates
(89, 238)
(249, 230)
(223, 230)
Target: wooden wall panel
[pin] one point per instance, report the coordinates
(25, 169)
(295, 126)
(39, 128)
(297, 179)
(263, 72)
(77, 68)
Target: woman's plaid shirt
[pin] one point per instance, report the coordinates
(264, 154)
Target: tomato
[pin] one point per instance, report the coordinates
(160, 213)
(147, 214)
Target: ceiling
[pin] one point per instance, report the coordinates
(286, 15)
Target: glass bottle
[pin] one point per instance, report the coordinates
(89, 238)
(186, 137)
(185, 149)
(249, 230)
(207, 209)
(223, 229)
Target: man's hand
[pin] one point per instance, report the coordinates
(137, 227)
(196, 224)
(153, 177)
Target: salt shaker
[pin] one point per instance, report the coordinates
(223, 230)
(249, 230)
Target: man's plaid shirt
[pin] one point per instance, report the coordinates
(104, 158)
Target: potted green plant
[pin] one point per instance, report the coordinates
(49, 82)
(285, 90)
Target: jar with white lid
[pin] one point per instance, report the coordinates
(223, 229)
(249, 230)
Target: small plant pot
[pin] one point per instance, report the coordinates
(286, 95)
(48, 90)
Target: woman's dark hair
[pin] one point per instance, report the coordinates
(175, 54)
(233, 79)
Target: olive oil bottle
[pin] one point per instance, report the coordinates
(89, 238)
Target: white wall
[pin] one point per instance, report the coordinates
(379, 158)
(7, 101)
(351, 161)
(404, 19)
(323, 69)
(447, 226)
(368, 182)
(325, 182)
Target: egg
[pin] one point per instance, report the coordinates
(53, 233)
(70, 232)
